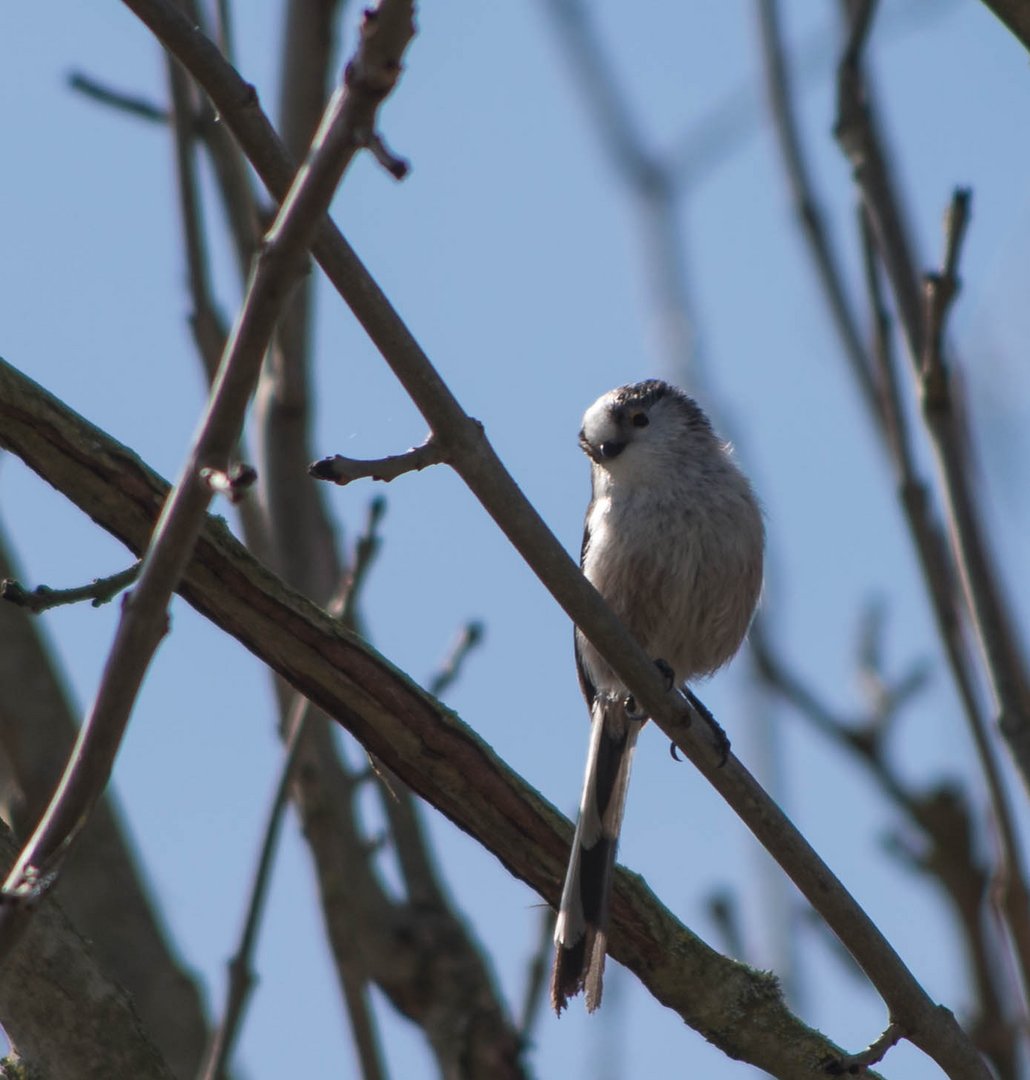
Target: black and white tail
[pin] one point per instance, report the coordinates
(581, 933)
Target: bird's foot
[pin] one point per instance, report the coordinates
(629, 706)
(629, 702)
(666, 673)
(722, 741)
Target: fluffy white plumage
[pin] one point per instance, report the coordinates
(674, 542)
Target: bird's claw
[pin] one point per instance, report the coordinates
(722, 742)
(667, 674)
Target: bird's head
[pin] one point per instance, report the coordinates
(633, 428)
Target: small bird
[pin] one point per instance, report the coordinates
(673, 541)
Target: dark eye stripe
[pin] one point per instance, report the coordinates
(640, 420)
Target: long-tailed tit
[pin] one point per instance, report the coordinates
(673, 541)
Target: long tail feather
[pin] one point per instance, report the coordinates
(581, 933)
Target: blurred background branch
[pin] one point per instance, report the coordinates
(426, 933)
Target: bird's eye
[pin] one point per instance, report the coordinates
(640, 420)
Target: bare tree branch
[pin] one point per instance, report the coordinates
(434, 756)
(306, 555)
(103, 894)
(294, 524)
(995, 625)
(949, 853)
(43, 984)
(209, 330)
(423, 743)
(1015, 14)
(305, 542)
(930, 1027)
(471, 637)
(241, 973)
(810, 217)
(117, 99)
(371, 76)
(534, 996)
(874, 1053)
(42, 598)
(224, 33)
(342, 470)
(858, 137)
(653, 180)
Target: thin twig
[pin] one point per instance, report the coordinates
(995, 625)
(235, 188)
(619, 129)
(411, 846)
(395, 165)
(951, 855)
(209, 329)
(117, 99)
(42, 598)
(653, 180)
(471, 635)
(240, 969)
(881, 218)
(241, 966)
(894, 421)
(144, 617)
(442, 759)
(421, 881)
(224, 34)
(939, 579)
(939, 292)
(306, 544)
(827, 263)
(934, 1030)
(724, 911)
(343, 470)
(366, 548)
(875, 1052)
(859, 138)
(534, 996)
(234, 184)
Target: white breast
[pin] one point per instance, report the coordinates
(682, 573)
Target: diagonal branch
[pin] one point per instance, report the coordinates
(860, 140)
(810, 218)
(915, 497)
(931, 1028)
(949, 853)
(422, 742)
(42, 598)
(1015, 14)
(208, 327)
(42, 990)
(995, 625)
(103, 894)
(343, 470)
(241, 975)
(143, 623)
(131, 104)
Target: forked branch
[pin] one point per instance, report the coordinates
(144, 618)
(471, 455)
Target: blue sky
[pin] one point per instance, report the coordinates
(515, 256)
